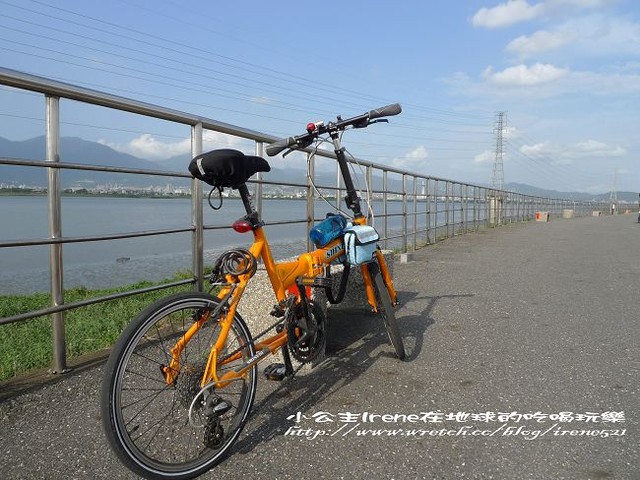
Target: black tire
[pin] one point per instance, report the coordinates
(385, 308)
(146, 421)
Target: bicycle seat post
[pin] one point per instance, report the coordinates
(246, 199)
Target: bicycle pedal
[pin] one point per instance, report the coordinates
(315, 281)
(323, 282)
(277, 311)
(275, 372)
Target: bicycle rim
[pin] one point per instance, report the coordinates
(155, 428)
(385, 308)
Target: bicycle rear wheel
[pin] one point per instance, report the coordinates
(166, 430)
(385, 308)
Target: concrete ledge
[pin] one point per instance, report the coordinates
(259, 299)
(406, 257)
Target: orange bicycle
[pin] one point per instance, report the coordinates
(180, 382)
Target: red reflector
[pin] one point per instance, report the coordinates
(242, 226)
(311, 127)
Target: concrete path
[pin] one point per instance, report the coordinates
(523, 362)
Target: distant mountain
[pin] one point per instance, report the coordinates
(177, 163)
(625, 197)
(75, 150)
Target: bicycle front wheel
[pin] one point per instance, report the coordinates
(385, 308)
(175, 430)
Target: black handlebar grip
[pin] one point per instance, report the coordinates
(279, 145)
(387, 111)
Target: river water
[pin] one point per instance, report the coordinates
(102, 264)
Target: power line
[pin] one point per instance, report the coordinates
(228, 61)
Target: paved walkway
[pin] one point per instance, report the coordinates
(526, 319)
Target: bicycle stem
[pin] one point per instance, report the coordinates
(352, 200)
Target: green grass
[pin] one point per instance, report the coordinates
(27, 345)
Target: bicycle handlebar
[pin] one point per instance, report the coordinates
(388, 111)
(314, 130)
(279, 145)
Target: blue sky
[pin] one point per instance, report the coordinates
(567, 72)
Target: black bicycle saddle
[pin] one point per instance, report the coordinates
(226, 167)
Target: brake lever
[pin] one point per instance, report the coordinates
(366, 123)
(299, 146)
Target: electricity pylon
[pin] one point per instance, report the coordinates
(497, 177)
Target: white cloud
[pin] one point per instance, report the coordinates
(587, 36)
(488, 156)
(509, 132)
(517, 11)
(495, 85)
(537, 149)
(605, 84)
(540, 41)
(595, 148)
(505, 14)
(580, 3)
(585, 149)
(601, 35)
(525, 76)
(261, 100)
(211, 140)
(415, 160)
(418, 153)
(150, 147)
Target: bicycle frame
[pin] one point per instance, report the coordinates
(283, 277)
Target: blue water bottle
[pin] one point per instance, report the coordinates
(327, 230)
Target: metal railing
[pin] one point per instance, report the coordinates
(422, 210)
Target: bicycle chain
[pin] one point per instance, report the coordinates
(260, 335)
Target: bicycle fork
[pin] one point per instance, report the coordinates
(368, 281)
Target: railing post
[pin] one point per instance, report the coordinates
(487, 202)
(338, 186)
(385, 210)
(435, 207)
(427, 199)
(404, 213)
(447, 207)
(197, 219)
(369, 177)
(310, 204)
(56, 269)
(452, 207)
(463, 204)
(258, 192)
(475, 208)
(415, 213)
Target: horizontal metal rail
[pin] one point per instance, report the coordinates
(92, 168)
(92, 238)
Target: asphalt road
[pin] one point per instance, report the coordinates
(523, 363)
